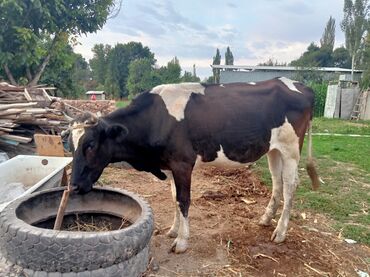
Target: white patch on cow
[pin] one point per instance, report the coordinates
(221, 161)
(176, 96)
(289, 83)
(77, 133)
(285, 140)
(181, 241)
(176, 220)
(252, 83)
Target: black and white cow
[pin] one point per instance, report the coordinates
(174, 128)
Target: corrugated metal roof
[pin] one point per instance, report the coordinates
(95, 92)
(283, 68)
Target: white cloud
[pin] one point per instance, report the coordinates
(255, 32)
(280, 51)
(107, 36)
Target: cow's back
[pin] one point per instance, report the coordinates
(239, 117)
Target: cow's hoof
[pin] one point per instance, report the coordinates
(264, 221)
(172, 234)
(179, 246)
(278, 237)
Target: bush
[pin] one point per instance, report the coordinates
(320, 90)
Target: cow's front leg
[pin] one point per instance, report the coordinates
(182, 179)
(172, 233)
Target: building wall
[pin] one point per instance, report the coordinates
(258, 75)
(340, 101)
(366, 113)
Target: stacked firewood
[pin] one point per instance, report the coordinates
(25, 111)
(76, 107)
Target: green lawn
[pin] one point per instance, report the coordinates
(343, 164)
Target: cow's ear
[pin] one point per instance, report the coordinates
(117, 132)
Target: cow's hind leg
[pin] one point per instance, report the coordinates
(290, 180)
(172, 233)
(276, 168)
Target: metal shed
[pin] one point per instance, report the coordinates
(241, 73)
(99, 94)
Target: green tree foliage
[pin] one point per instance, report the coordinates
(171, 73)
(142, 76)
(365, 82)
(189, 77)
(272, 62)
(341, 58)
(328, 37)
(314, 57)
(216, 72)
(209, 80)
(229, 58)
(99, 62)
(31, 32)
(68, 72)
(119, 59)
(354, 26)
(320, 89)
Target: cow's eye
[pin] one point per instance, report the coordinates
(90, 145)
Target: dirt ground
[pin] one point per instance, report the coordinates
(225, 239)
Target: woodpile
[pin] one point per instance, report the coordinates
(76, 107)
(25, 111)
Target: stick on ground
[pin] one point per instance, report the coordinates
(61, 210)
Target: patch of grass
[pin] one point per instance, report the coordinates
(339, 126)
(343, 163)
(354, 150)
(122, 104)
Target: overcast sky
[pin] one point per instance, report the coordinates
(193, 29)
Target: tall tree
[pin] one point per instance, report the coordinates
(31, 32)
(328, 37)
(341, 58)
(99, 62)
(68, 72)
(365, 81)
(171, 73)
(142, 76)
(229, 58)
(216, 72)
(118, 70)
(354, 26)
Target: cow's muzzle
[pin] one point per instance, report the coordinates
(76, 188)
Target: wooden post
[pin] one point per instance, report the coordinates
(61, 210)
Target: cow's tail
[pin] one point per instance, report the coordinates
(310, 166)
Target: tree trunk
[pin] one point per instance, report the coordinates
(41, 68)
(353, 66)
(10, 75)
(28, 74)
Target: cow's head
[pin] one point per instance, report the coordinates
(92, 142)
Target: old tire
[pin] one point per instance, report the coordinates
(47, 250)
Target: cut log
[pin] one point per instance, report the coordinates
(17, 138)
(27, 95)
(11, 112)
(6, 129)
(16, 105)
